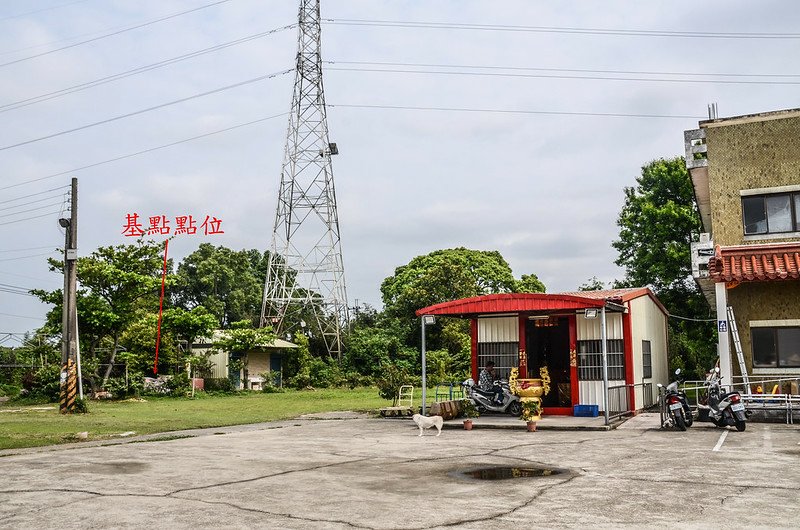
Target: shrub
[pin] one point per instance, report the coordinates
(392, 378)
(218, 384)
(179, 384)
(45, 383)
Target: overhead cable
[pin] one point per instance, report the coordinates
(30, 194)
(27, 219)
(134, 71)
(567, 30)
(518, 111)
(150, 150)
(572, 70)
(32, 209)
(106, 35)
(148, 109)
(562, 76)
(41, 10)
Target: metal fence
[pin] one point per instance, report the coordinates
(448, 392)
(779, 397)
(618, 399)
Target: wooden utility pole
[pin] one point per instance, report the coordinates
(69, 376)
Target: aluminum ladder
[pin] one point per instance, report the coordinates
(737, 345)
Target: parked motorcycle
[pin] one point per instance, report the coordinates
(724, 408)
(675, 409)
(484, 399)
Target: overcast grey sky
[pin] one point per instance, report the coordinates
(543, 185)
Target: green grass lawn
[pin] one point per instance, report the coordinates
(30, 426)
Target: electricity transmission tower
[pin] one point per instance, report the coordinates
(305, 278)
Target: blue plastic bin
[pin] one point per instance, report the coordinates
(585, 411)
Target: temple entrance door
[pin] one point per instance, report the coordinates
(547, 344)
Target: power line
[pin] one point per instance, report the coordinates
(150, 150)
(29, 256)
(566, 30)
(31, 194)
(23, 250)
(32, 209)
(148, 109)
(134, 71)
(42, 10)
(106, 35)
(574, 70)
(519, 111)
(34, 202)
(22, 316)
(561, 76)
(26, 219)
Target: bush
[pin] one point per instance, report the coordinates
(269, 388)
(393, 378)
(218, 384)
(179, 384)
(9, 390)
(120, 389)
(45, 383)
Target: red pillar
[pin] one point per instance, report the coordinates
(573, 360)
(523, 354)
(474, 336)
(627, 338)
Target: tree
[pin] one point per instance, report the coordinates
(116, 283)
(530, 283)
(241, 338)
(228, 283)
(442, 276)
(592, 284)
(656, 226)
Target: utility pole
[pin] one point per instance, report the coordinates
(306, 270)
(69, 332)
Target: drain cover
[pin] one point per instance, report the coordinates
(503, 473)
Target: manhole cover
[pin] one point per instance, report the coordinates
(503, 473)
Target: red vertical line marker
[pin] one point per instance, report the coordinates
(161, 306)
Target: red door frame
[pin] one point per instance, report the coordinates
(473, 331)
(627, 339)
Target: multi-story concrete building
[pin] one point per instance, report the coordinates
(746, 176)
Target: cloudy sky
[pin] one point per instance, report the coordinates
(521, 121)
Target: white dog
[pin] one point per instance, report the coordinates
(426, 422)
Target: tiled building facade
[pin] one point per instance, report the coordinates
(746, 176)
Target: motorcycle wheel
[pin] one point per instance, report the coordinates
(515, 409)
(480, 408)
(689, 419)
(740, 425)
(680, 422)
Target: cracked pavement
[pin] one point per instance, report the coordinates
(358, 472)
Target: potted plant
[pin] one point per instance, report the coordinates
(531, 413)
(469, 411)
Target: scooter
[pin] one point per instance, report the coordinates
(724, 408)
(675, 409)
(484, 399)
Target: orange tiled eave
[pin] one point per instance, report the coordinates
(756, 263)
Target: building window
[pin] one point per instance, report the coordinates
(590, 360)
(647, 360)
(504, 354)
(771, 214)
(775, 347)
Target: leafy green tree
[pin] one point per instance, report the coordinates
(656, 226)
(530, 283)
(592, 284)
(115, 284)
(228, 283)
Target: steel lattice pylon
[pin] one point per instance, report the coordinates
(305, 278)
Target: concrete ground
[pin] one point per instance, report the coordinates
(358, 472)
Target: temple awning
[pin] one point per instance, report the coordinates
(534, 302)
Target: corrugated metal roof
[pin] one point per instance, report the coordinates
(760, 263)
(530, 302)
(220, 333)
